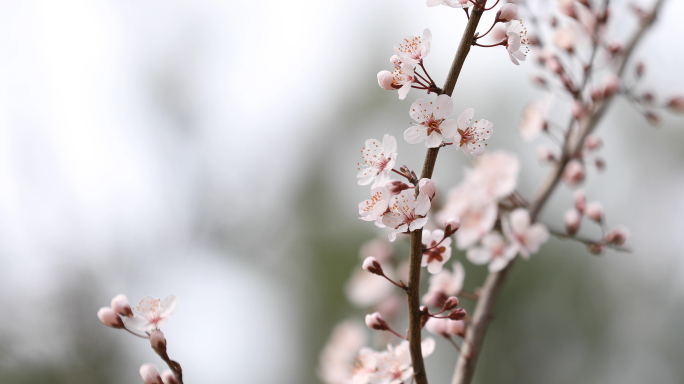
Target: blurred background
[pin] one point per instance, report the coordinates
(208, 149)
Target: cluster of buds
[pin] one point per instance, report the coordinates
(145, 321)
(594, 212)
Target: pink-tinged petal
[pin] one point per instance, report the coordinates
(478, 256)
(420, 110)
(422, 204)
(519, 55)
(466, 150)
(418, 223)
(513, 59)
(498, 264)
(389, 144)
(536, 236)
(139, 324)
(427, 39)
(434, 267)
(483, 129)
(520, 220)
(385, 80)
(433, 3)
(415, 134)
(434, 140)
(427, 346)
(380, 207)
(449, 130)
(392, 220)
(150, 375)
(168, 305)
(404, 90)
(476, 149)
(443, 107)
(365, 176)
(465, 118)
(492, 240)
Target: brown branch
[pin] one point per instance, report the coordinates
(465, 367)
(416, 256)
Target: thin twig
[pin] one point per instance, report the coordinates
(416, 256)
(465, 367)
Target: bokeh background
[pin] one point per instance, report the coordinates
(208, 149)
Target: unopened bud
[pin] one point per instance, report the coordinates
(120, 306)
(580, 200)
(376, 322)
(150, 375)
(648, 98)
(676, 104)
(611, 85)
(596, 248)
(614, 48)
(110, 318)
(169, 377)
(507, 13)
(653, 117)
(372, 265)
(572, 221)
(158, 341)
(594, 211)
(554, 65)
(573, 174)
(458, 314)
(640, 69)
(617, 236)
(451, 226)
(386, 80)
(450, 303)
(592, 143)
(396, 186)
(600, 164)
(427, 186)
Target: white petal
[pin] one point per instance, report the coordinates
(498, 264)
(443, 107)
(418, 223)
(478, 255)
(476, 149)
(404, 90)
(483, 129)
(520, 220)
(449, 130)
(434, 267)
(389, 145)
(465, 117)
(422, 205)
(420, 111)
(434, 140)
(427, 346)
(415, 134)
(168, 305)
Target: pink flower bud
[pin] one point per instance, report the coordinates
(169, 377)
(386, 80)
(640, 69)
(507, 13)
(110, 318)
(596, 94)
(580, 200)
(648, 98)
(573, 174)
(594, 211)
(396, 186)
(577, 109)
(158, 341)
(653, 117)
(451, 226)
(611, 85)
(376, 322)
(372, 265)
(554, 65)
(427, 186)
(458, 314)
(150, 375)
(600, 164)
(450, 303)
(592, 143)
(617, 236)
(572, 221)
(545, 155)
(596, 248)
(615, 47)
(120, 306)
(676, 104)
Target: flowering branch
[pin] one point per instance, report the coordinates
(465, 367)
(416, 255)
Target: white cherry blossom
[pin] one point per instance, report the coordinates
(516, 41)
(400, 79)
(476, 211)
(339, 352)
(494, 250)
(432, 123)
(407, 213)
(521, 232)
(378, 161)
(151, 313)
(373, 209)
(449, 3)
(437, 251)
(414, 49)
(495, 175)
(445, 284)
(468, 138)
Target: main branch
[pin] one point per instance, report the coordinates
(465, 368)
(416, 256)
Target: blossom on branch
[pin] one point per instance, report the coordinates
(516, 41)
(414, 49)
(437, 250)
(400, 79)
(407, 213)
(151, 313)
(432, 124)
(378, 161)
(373, 209)
(392, 366)
(494, 250)
(468, 138)
(522, 233)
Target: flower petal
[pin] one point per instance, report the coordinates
(465, 118)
